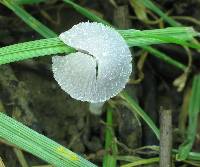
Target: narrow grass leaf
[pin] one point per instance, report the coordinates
(50, 46)
(39, 145)
(195, 156)
(178, 35)
(150, 5)
(30, 20)
(194, 109)
(136, 108)
(164, 57)
(23, 2)
(33, 49)
(86, 13)
(110, 146)
(176, 41)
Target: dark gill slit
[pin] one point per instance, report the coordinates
(97, 65)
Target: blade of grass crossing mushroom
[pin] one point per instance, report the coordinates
(32, 49)
(55, 45)
(194, 110)
(110, 146)
(30, 20)
(136, 108)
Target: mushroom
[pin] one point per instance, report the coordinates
(99, 69)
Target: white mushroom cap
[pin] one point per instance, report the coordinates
(101, 67)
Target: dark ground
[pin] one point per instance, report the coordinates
(29, 93)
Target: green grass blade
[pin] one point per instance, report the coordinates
(194, 109)
(150, 5)
(39, 145)
(28, 19)
(110, 145)
(32, 45)
(54, 45)
(86, 13)
(136, 108)
(178, 35)
(32, 49)
(165, 58)
(195, 156)
(173, 40)
(23, 2)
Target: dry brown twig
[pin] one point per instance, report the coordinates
(165, 137)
